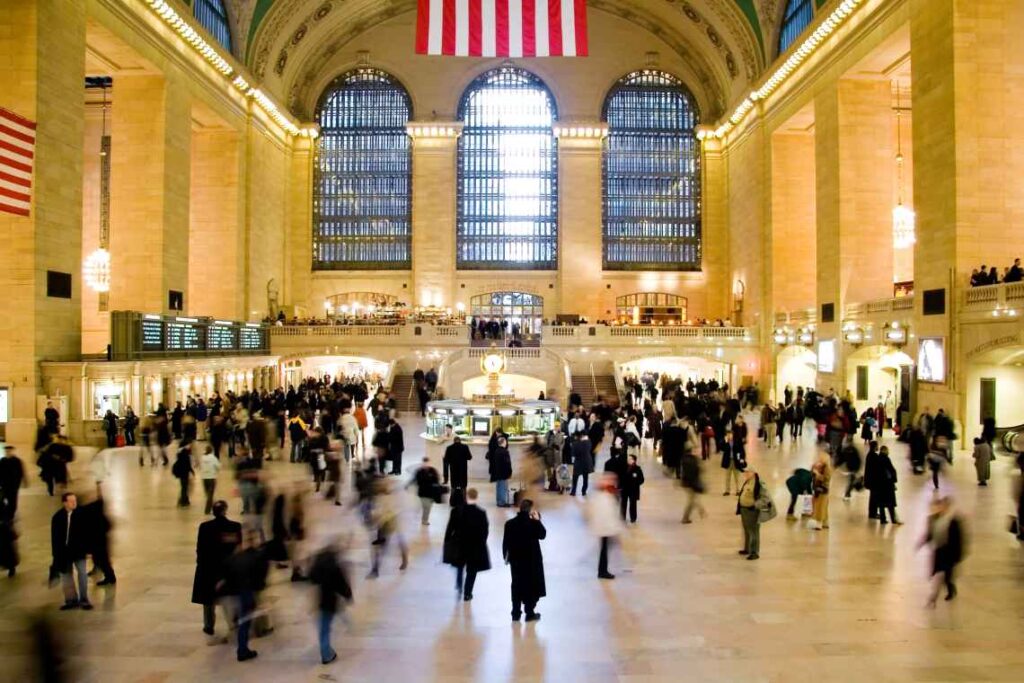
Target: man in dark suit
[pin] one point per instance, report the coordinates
(456, 464)
(12, 476)
(217, 540)
(69, 536)
(472, 539)
(521, 550)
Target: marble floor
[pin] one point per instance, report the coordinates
(846, 604)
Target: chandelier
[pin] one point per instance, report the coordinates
(96, 270)
(96, 266)
(903, 218)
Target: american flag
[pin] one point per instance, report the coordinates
(17, 158)
(502, 28)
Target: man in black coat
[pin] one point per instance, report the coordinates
(217, 540)
(472, 540)
(396, 446)
(456, 464)
(521, 550)
(12, 476)
(69, 533)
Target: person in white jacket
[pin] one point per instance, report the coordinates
(349, 427)
(209, 468)
(605, 520)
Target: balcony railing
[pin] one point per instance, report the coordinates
(896, 304)
(804, 316)
(1008, 295)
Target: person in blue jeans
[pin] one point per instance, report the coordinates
(329, 577)
(69, 534)
(500, 468)
(245, 574)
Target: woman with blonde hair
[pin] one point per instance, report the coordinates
(821, 478)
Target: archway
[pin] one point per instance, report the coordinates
(521, 386)
(879, 374)
(795, 366)
(373, 371)
(520, 311)
(994, 381)
(683, 368)
(651, 308)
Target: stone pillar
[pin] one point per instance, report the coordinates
(580, 251)
(434, 150)
(149, 193)
(42, 71)
(296, 287)
(715, 230)
(215, 243)
(793, 221)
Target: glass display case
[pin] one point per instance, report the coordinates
(475, 421)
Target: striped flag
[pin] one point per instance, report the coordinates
(17, 158)
(502, 28)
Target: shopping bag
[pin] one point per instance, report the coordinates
(806, 505)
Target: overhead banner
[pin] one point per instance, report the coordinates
(502, 28)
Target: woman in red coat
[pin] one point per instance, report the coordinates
(880, 418)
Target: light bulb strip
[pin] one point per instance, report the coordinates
(808, 47)
(175, 21)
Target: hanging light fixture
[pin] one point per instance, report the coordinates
(96, 266)
(903, 217)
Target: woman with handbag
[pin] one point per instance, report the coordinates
(750, 516)
(821, 479)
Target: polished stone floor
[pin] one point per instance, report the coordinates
(846, 604)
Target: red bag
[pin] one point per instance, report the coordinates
(119, 441)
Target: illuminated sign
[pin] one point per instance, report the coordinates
(931, 360)
(827, 356)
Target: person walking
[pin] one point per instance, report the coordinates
(456, 464)
(520, 548)
(821, 481)
(983, 457)
(946, 537)
(885, 487)
(244, 575)
(297, 435)
(215, 543)
(331, 581)
(629, 488)
(871, 463)
(465, 545)
(94, 515)
(396, 446)
(182, 469)
(605, 521)
(693, 482)
(500, 470)
(582, 461)
(69, 538)
(209, 468)
(734, 462)
(428, 489)
(12, 478)
(746, 507)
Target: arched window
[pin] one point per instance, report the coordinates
(362, 197)
(214, 18)
(651, 175)
(508, 171)
(797, 17)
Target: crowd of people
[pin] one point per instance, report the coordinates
(345, 430)
(990, 276)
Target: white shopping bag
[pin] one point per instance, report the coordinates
(805, 505)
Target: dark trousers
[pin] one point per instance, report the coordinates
(101, 561)
(602, 560)
(465, 579)
(396, 463)
(576, 477)
(183, 498)
(628, 500)
(111, 439)
(892, 513)
(521, 603)
(129, 437)
(209, 485)
(246, 605)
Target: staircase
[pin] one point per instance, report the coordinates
(404, 395)
(590, 387)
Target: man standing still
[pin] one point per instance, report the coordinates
(456, 464)
(521, 550)
(69, 538)
(472, 539)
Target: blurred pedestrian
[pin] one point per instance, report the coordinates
(983, 457)
(98, 543)
(821, 483)
(946, 537)
(12, 478)
(605, 521)
(209, 468)
(216, 542)
(244, 576)
(328, 574)
(428, 489)
(183, 471)
(693, 482)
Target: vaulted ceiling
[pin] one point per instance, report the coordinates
(725, 44)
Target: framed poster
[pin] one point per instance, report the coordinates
(931, 360)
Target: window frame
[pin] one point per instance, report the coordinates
(486, 169)
(215, 10)
(652, 136)
(368, 142)
(793, 13)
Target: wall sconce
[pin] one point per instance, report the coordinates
(805, 336)
(854, 335)
(895, 334)
(739, 291)
(780, 336)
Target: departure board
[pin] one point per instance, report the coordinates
(152, 335)
(184, 337)
(222, 337)
(251, 339)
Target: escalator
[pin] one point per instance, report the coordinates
(1011, 438)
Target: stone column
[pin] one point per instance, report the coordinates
(149, 193)
(42, 71)
(296, 287)
(715, 230)
(216, 254)
(434, 149)
(580, 239)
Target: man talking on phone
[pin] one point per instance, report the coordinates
(521, 549)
